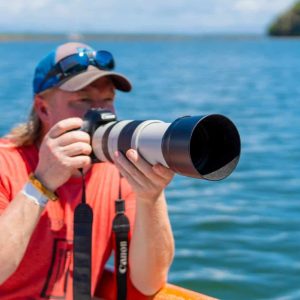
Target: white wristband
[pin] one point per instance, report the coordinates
(34, 195)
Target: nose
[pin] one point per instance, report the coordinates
(110, 107)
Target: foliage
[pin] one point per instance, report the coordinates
(287, 24)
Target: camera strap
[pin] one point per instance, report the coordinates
(83, 220)
(121, 229)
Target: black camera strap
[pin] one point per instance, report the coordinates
(83, 221)
(121, 229)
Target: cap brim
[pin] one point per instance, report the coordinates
(83, 79)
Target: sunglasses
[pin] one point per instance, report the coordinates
(75, 64)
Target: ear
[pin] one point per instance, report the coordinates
(41, 107)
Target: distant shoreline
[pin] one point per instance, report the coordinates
(120, 36)
(23, 37)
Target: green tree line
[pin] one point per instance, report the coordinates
(288, 23)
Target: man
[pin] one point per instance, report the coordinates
(36, 241)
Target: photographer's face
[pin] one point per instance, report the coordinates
(61, 105)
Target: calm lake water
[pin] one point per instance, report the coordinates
(238, 238)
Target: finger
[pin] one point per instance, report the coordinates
(77, 162)
(128, 169)
(76, 149)
(65, 125)
(145, 176)
(163, 171)
(133, 181)
(73, 136)
(142, 165)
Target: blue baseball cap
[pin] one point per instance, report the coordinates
(51, 70)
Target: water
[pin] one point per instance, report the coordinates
(238, 238)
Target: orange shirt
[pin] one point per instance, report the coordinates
(47, 266)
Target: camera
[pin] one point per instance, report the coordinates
(206, 147)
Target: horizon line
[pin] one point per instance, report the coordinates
(23, 36)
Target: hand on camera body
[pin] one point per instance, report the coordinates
(62, 152)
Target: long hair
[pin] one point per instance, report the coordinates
(25, 134)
